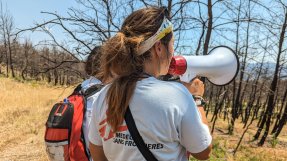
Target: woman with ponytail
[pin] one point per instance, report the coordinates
(165, 113)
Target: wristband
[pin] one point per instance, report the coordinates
(199, 101)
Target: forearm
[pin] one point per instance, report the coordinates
(203, 115)
(204, 155)
(97, 153)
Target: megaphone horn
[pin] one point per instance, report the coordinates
(220, 66)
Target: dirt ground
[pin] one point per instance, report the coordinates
(24, 108)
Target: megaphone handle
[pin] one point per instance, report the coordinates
(202, 79)
(198, 77)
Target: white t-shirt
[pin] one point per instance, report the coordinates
(87, 119)
(166, 117)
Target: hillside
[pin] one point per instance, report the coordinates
(24, 108)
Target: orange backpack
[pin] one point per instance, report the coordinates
(64, 135)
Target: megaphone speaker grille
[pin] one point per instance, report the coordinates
(178, 65)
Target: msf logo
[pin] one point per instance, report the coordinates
(106, 132)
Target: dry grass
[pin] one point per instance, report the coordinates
(224, 144)
(24, 108)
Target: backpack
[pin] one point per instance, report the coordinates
(64, 135)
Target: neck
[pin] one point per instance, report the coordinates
(151, 68)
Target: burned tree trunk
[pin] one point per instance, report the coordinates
(273, 87)
(279, 114)
(209, 28)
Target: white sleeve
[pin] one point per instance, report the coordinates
(194, 134)
(94, 136)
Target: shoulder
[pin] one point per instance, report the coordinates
(164, 88)
(101, 93)
(99, 98)
(89, 82)
(164, 94)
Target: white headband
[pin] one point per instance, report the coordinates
(165, 28)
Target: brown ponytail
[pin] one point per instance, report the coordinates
(119, 57)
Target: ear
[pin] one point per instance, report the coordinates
(158, 48)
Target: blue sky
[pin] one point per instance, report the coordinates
(27, 12)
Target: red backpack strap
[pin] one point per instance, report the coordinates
(77, 148)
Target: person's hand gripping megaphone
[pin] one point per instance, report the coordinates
(195, 87)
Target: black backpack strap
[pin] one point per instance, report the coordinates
(92, 90)
(89, 92)
(87, 151)
(77, 90)
(137, 137)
